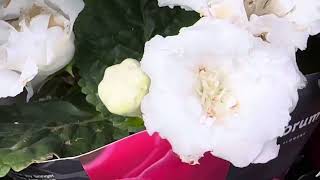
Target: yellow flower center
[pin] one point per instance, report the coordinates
(216, 99)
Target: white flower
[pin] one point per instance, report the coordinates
(13, 79)
(305, 14)
(42, 36)
(297, 18)
(214, 87)
(123, 88)
(232, 10)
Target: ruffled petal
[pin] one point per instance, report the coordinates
(69, 8)
(232, 10)
(15, 81)
(264, 7)
(5, 29)
(306, 14)
(279, 32)
(11, 9)
(38, 24)
(25, 45)
(270, 151)
(60, 50)
(10, 80)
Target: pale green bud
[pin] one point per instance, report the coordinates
(123, 88)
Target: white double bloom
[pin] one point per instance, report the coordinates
(217, 88)
(37, 44)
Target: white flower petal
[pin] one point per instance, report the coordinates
(279, 32)
(284, 23)
(247, 152)
(60, 50)
(270, 151)
(69, 8)
(196, 5)
(15, 81)
(232, 10)
(264, 7)
(304, 14)
(30, 91)
(38, 24)
(281, 7)
(10, 80)
(25, 45)
(262, 78)
(5, 29)
(11, 9)
(29, 71)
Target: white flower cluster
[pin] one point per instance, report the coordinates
(288, 21)
(36, 40)
(227, 84)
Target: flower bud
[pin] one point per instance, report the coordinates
(123, 88)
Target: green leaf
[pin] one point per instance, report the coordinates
(4, 169)
(69, 69)
(131, 124)
(109, 31)
(36, 132)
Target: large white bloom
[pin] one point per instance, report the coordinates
(42, 37)
(214, 87)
